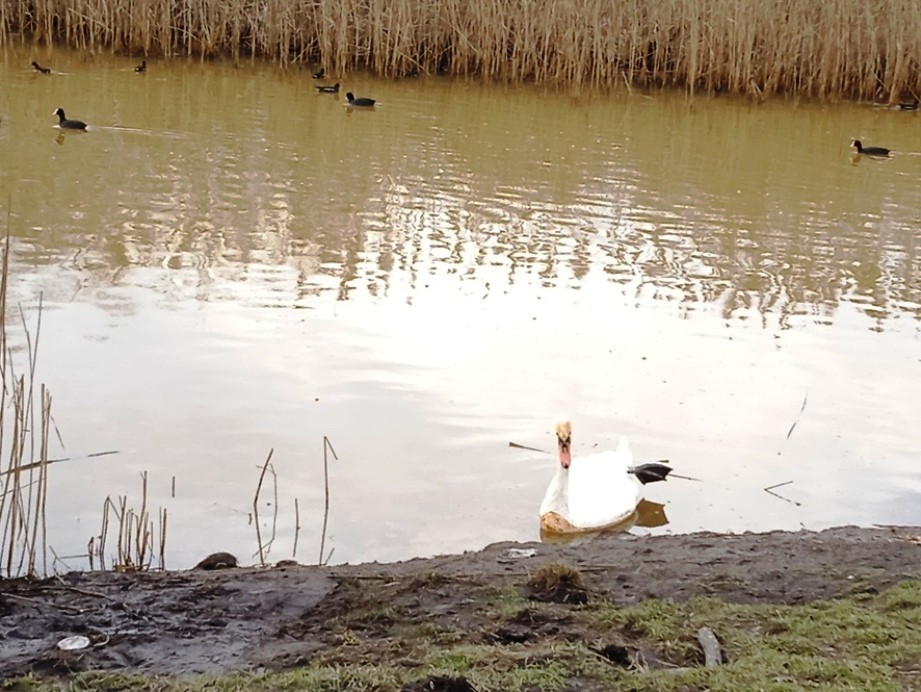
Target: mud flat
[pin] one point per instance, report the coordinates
(511, 616)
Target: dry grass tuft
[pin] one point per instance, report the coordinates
(558, 584)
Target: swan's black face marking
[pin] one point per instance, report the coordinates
(563, 442)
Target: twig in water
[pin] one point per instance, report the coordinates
(162, 555)
(60, 561)
(142, 536)
(777, 485)
(515, 445)
(685, 478)
(265, 466)
(36, 464)
(770, 491)
(326, 445)
(798, 415)
(297, 527)
(271, 541)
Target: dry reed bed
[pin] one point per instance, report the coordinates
(25, 428)
(817, 48)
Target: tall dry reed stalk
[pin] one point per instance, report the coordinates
(817, 48)
(265, 546)
(25, 427)
(327, 447)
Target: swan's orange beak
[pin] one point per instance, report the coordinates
(565, 455)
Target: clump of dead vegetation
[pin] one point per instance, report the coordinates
(558, 584)
(136, 541)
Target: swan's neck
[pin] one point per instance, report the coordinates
(556, 499)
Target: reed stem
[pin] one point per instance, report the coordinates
(263, 547)
(327, 445)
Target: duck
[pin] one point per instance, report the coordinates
(67, 124)
(360, 102)
(589, 492)
(319, 74)
(869, 151)
(142, 67)
(39, 68)
(334, 89)
(908, 105)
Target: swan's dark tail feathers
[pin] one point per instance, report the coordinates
(651, 472)
(655, 471)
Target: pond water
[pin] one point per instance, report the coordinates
(231, 263)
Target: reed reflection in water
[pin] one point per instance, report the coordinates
(232, 262)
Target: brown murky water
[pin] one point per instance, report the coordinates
(231, 262)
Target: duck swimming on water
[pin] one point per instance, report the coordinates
(870, 151)
(67, 124)
(360, 102)
(326, 89)
(39, 68)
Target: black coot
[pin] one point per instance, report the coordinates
(361, 101)
(869, 151)
(68, 124)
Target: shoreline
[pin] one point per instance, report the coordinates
(241, 619)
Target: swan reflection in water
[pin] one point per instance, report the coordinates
(647, 514)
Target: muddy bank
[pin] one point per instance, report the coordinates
(242, 619)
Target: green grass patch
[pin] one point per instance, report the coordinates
(854, 643)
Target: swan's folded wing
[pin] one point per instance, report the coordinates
(601, 492)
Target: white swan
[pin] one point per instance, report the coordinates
(589, 492)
